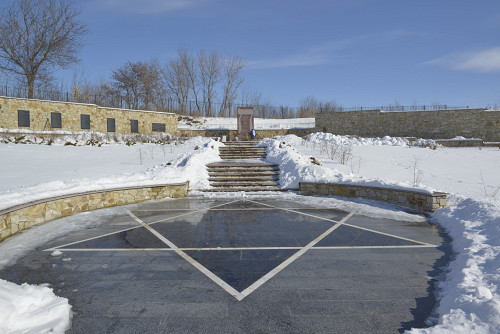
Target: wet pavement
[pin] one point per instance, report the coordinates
(199, 265)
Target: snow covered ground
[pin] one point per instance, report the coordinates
(468, 294)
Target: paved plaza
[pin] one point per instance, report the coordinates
(255, 265)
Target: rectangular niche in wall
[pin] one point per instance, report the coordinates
(134, 126)
(85, 121)
(55, 120)
(158, 127)
(23, 118)
(111, 125)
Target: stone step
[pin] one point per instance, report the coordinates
(245, 184)
(229, 157)
(244, 173)
(253, 148)
(240, 143)
(242, 153)
(242, 164)
(250, 172)
(230, 179)
(246, 189)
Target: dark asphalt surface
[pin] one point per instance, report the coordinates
(198, 265)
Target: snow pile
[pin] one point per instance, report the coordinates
(31, 309)
(469, 300)
(80, 138)
(188, 167)
(322, 138)
(296, 168)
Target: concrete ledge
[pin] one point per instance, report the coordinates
(421, 201)
(23, 216)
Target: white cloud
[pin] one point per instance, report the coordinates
(147, 6)
(479, 61)
(330, 51)
(309, 58)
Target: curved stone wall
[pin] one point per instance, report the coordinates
(20, 217)
(421, 201)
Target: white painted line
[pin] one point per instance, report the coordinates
(107, 249)
(133, 228)
(297, 212)
(391, 235)
(354, 226)
(228, 248)
(292, 258)
(93, 238)
(188, 258)
(373, 247)
(235, 209)
(188, 213)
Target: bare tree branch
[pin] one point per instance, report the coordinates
(38, 35)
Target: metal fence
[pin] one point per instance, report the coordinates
(393, 108)
(193, 108)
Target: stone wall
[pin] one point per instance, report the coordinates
(420, 201)
(40, 117)
(20, 217)
(436, 124)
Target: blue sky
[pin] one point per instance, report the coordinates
(357, 52)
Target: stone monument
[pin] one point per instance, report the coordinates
(245, 121)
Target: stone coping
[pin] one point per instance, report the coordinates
(22, 216)
(419, 200)
(85, 193)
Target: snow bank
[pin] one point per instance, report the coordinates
(469, 300)
(321, 138)
(78, 138)
(190, 166)
(467, 295)
(31, 309)
(296, 168)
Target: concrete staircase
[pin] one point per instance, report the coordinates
(243, 170)
(242, 150)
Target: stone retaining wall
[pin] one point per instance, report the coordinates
(40, 115)
(420, 201)
(20, 217)
(436, 124)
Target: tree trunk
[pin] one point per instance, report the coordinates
(31, 86)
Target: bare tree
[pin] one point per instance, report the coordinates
(152, 85)
(204, 78)
(177, 84)
(209, 69)
(231, 83)
(38, 35)
(308, 106)
(192, 75)
(139, 84)
(127, 83)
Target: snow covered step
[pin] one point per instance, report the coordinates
(224, 178)
(245, 184)
(245, 189)
(244, 173)
(243, 176)
(228, 157)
